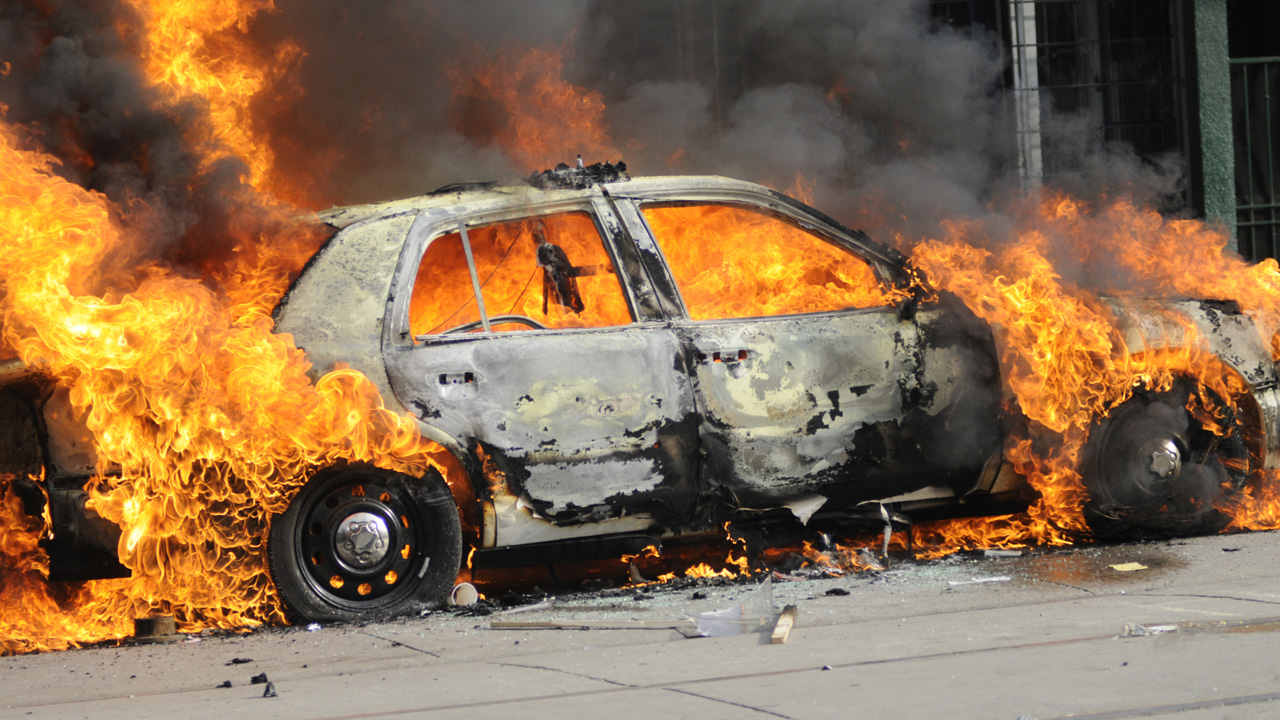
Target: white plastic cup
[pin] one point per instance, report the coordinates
(463, 594)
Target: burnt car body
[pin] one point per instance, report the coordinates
(596, 367)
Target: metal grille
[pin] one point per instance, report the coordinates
(968, 13)
(1113, 67)
(1255, 91)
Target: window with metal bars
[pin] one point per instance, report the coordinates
(1255, 113)
(1114, 66)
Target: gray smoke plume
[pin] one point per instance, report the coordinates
(898, 121)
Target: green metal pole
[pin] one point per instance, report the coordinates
(1213, 103)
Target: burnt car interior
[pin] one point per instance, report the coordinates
(787, 271)
(533, 274)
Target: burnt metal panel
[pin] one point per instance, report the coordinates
(1220, 328)
(963, 426)
(70, 442)
(800, 404)
(585, 424)
(20, 453)
(655, 267)
(334, 311)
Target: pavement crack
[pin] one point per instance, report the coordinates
(730, 702)
(1210, 597)
(398, 643)
(567, 672)
(1151, 710)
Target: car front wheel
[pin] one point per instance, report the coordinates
(1151, 467)
(362, 543)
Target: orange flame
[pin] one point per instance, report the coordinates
(758, 266)
(548, 120)
(210, 418)
(204, 422)
(1063, 354)
(840, 559)
(198, 49)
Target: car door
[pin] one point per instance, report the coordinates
(804, 372)
(524, 336)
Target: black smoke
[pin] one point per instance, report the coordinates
(75, 89)
(900, 120)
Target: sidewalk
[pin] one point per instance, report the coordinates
(921, 641)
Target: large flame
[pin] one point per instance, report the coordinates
(757, 265)
(1063, 356)
(209, 417)
(205, 422)
(196, 49)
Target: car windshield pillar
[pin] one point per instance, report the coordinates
(475, 277)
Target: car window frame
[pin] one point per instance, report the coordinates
(433, 223)
(636, 217)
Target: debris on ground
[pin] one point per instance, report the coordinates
(463, 595)
(634, 574)
(1001, 553)
(754, 612)
(782, 630)
(980, 581)
(1128, 567)
(1136, 630)
(240, 661)
(270, 690)
(258, 679)
(548, 604)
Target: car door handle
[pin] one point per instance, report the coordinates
(458, 378)
(729, 357)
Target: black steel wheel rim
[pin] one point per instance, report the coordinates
(341, 574)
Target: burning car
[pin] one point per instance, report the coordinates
(614, 362)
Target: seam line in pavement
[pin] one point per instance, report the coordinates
(399, 643)
(566, 672)
(1180, 707)
(729, 702)
(1210, 597)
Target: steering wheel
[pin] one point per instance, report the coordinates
(497, 320)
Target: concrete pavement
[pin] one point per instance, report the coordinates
(920, 641)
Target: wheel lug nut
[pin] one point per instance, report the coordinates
(1165, 461)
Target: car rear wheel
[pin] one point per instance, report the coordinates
(1151, 467)
(361, 543)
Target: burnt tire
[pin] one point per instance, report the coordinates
(1152, 469)
(361, 543)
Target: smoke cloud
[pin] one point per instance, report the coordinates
(899, 122)
(75, 87)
